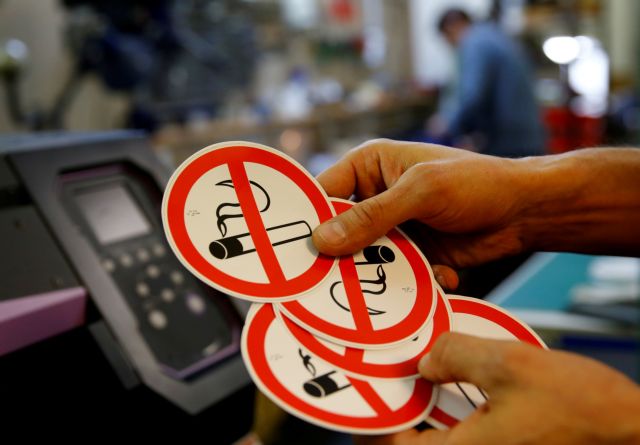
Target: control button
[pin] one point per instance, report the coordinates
(126, 260)
(159, 250)
(153, 271)
(168, 295)
(211, 349)
(196, 304)
(142, 289)
(109, 265)
(177, 277)
(157, 319)
(143, 255)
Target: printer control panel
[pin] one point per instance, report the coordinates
(187, 325)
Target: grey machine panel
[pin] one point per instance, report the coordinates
(130, 287)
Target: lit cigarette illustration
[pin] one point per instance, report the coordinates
(324, 385)
(377, 255)
(372, 255)
(242, 244)
(380, 283)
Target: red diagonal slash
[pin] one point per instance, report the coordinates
(442, 417)
(255, 224)
(357, 303)
(365, 389)
(370, 396)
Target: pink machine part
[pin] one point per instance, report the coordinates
(27, 320)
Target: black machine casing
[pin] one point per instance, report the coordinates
(159, 328)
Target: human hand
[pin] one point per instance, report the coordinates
(476, 208)
(468, 204)
(535, 397)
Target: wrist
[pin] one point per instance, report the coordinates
(553, 208)
(583, 201)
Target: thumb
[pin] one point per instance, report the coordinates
(362, 224)
(465, 358)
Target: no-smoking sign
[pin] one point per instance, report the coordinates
(399, 362)
(334, 341)
(240, 216)
(313, 389)
(376, 298)
(456, 401)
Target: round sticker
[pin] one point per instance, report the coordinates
(377, 298)
(239, 216)
(456, 401)
(316, 391)
(398, 362)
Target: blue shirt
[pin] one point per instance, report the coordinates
(496, 97)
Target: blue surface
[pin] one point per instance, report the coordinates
(544, 282)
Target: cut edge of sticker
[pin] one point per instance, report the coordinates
(177, 251)
(319, 422)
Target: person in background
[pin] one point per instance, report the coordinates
(475, 208)
(493, 100)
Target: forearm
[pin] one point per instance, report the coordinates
(584, 201)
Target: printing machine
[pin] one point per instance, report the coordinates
(98, 319)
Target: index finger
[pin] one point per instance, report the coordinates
(465, 358)
(339, 180)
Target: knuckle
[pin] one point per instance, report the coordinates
(424, 176)
(371, 145)
(419, 174)
(443, 350)
(368, 212)
(514, 358)
(439, 180)
(412, 184)
(379, 142)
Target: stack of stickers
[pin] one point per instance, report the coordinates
(335, 341)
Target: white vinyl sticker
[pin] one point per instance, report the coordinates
(456, 401)
(398, 362)
(377, 298)
(240, 215)
(314, 390)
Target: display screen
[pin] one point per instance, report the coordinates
(112, 213)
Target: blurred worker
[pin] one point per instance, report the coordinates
(494, 98)
(476, 208)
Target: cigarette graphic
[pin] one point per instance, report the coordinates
(237, 245)
(377, 255)
(381, 281)
(323, 386)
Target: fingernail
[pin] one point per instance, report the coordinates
(440, 279)
(332, 232)
(424, 363)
